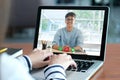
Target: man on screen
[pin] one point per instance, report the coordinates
(69, 38)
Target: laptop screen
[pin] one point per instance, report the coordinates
(89, 25)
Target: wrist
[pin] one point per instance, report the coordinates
(29, 62)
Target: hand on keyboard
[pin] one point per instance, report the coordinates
(72, 68)
(81, 65)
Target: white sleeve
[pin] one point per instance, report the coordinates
(13, 69)
(55, 72)
(25, 60)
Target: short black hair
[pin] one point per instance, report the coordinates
(70, 14)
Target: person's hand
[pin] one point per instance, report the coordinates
(63, 60)
(38, 58)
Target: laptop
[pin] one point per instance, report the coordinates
(92, 21)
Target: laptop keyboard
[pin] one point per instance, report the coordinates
(81, 66)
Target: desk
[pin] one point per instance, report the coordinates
(110, 69)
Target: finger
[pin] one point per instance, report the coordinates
(47, 54)
(48, 51)
(73, 64)
(69, 57)
(46, 62)
(65, 54)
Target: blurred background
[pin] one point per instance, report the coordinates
(23, 15)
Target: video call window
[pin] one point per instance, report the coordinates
(90, 23)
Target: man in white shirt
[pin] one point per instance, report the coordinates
(18, 68)
(68, 38)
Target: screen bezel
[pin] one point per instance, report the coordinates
(104, 34)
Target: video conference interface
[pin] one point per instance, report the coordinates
(89, 22)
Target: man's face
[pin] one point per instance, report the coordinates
(70, 21)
